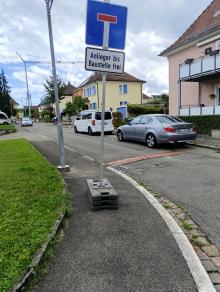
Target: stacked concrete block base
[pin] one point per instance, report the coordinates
(102, 197)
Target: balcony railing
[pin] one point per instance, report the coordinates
(198, 110)
(200, 67)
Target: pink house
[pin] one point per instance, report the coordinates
(194, 66)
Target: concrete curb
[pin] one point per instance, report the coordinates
(5, 132)
(197, 270)
(204, 146)
(39, 256)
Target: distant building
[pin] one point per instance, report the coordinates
(120, 90)
(45, 106)
(67, 96)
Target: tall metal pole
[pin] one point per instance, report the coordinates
(105, 47)
(28, 94)
(59, 124)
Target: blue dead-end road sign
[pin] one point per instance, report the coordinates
(97, 13)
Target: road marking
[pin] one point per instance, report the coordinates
(143, 157)
(88, 158)
(198, 272)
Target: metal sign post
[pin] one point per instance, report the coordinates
(62, 167)
(105, 47)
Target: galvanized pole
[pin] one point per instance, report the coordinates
(59, 124)
(105, 47)
(28, 94)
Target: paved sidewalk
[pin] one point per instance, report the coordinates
(206, 141)
(129, 249)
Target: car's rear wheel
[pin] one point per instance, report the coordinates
(90, 131)
(151, 140)
(120, 136)
(75, 129)
(5, 123)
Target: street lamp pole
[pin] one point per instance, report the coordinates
(62, 166)
(28, 94)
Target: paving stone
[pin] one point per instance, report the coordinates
(173, 206)
(209, 266)
(187, 232)
(215, 278)
(211, 251)
(181, 216)
(194, 226)
(196, 232)
(177, 211)
(200, 253)
(216, 261)
(202, 240)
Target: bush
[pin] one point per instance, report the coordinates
(117, 119)
(117, 115)
(204, 124)
(136, 110)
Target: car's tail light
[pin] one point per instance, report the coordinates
(169, 129)
(93, 122)
(194, 129)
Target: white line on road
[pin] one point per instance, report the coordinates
(69, 148)
(198, 272)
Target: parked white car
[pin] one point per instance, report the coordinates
(4, 119)
(89, 121)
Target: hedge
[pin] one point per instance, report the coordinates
(204, 124)
(117, 119)
(136, 110)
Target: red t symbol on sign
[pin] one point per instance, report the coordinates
(107, 18)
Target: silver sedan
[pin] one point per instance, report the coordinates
(156, 129)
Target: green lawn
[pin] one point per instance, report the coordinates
(31, 198)
(7, 127)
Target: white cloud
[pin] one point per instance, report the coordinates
(152, 26)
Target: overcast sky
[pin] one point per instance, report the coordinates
(152, 26)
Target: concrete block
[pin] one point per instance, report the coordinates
(216, 134)
(102, 197)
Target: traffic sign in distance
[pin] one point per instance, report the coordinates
(104, 61)
(97, 14)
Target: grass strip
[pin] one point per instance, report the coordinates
(7, 127)
(31, 199)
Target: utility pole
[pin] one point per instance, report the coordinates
(28, 94)
(62, 167)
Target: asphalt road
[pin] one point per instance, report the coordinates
(191, 179)
(90, 145)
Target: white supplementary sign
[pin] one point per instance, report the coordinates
(104, 61)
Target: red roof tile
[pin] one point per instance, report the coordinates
(111, 77)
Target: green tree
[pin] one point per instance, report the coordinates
(73, 108)
(5, 98)
(165, 99)
(49, 89)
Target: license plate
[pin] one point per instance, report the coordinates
(184, 130)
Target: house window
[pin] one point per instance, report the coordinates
(218, 45)
(94, 105)
(121, 103)
(90, 91)
(93, 90)
(125, 102)
(123, 88)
